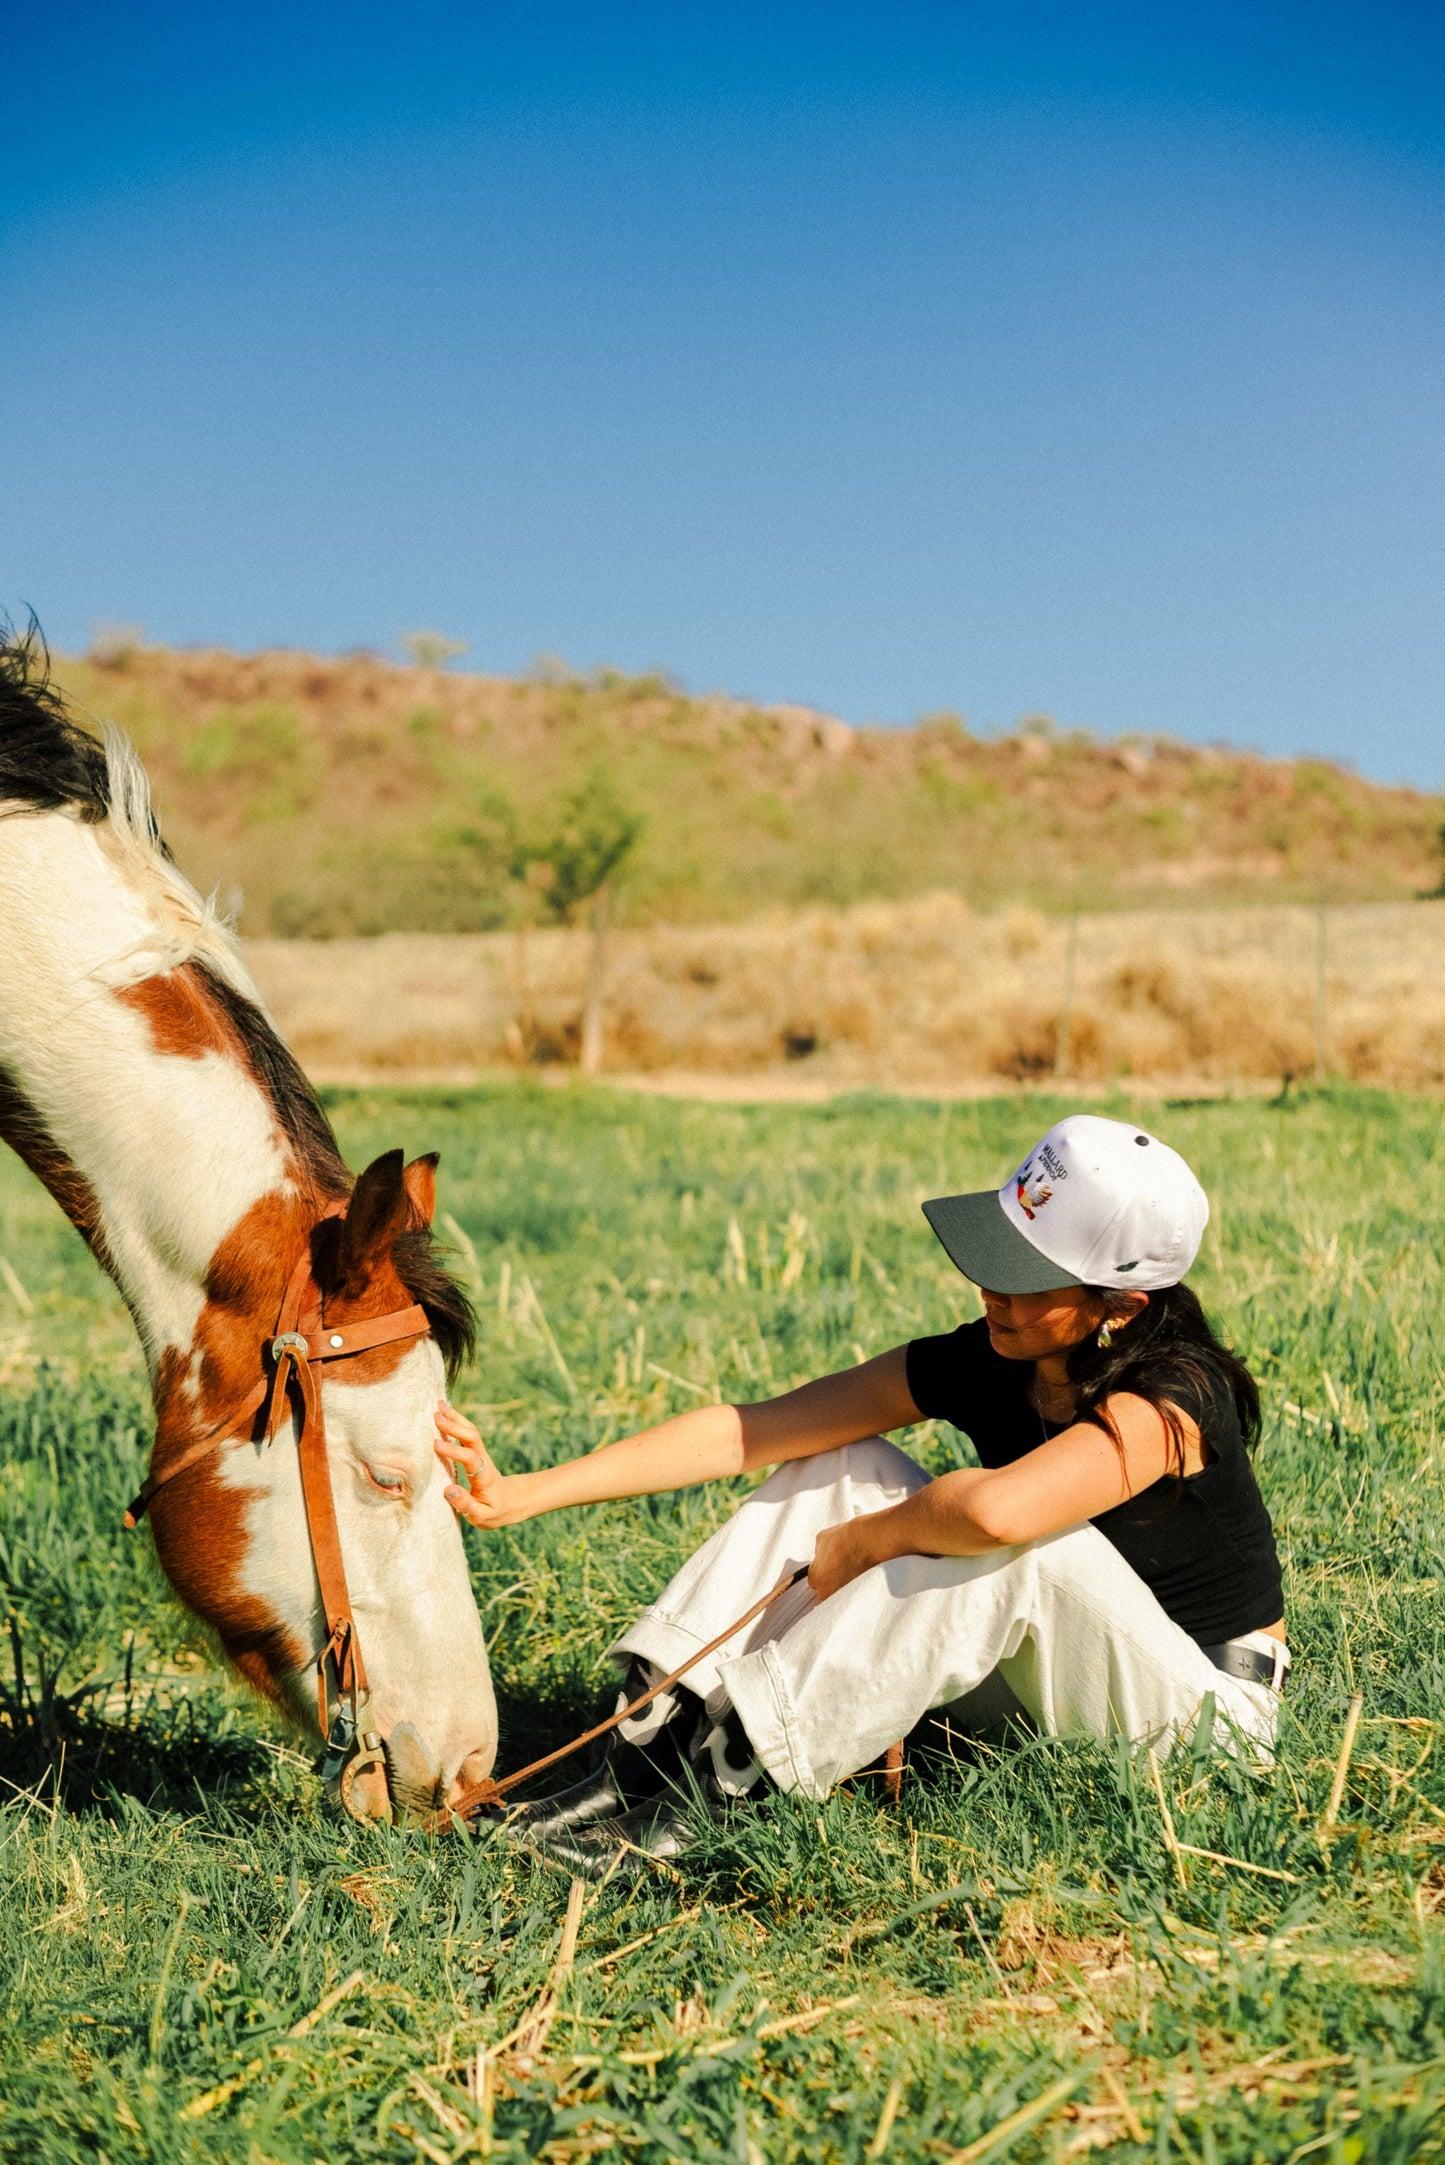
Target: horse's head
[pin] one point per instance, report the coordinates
(232, 1533)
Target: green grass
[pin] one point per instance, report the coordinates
(1019, 1932)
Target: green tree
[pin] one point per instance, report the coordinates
(571, 861)
(584, 840)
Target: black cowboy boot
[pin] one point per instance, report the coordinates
(627, 1843)
(720, 1771)
(641, 1760)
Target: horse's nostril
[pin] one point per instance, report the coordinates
(473, 1769)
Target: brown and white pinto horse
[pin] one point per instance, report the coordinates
(142, 1082)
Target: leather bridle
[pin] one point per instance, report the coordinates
(291, 1361)
(354, 1759)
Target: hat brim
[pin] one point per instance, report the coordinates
(983, 1242)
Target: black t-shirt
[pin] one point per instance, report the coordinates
(1204, 1546)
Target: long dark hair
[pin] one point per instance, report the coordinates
(1167, 1353)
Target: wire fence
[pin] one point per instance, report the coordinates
(923, 992)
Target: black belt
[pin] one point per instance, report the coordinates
(1248, 1662)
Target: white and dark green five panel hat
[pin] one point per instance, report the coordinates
(1095, 1202)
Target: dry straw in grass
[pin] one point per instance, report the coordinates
(923, 993)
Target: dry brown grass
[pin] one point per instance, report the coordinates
(923, 994)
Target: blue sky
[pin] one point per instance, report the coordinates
(1084, 360)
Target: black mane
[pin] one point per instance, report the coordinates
(427, 1279)
(48, 763)
(280, 1075)
(304, 1120)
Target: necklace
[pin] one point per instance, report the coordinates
(1037, 1399)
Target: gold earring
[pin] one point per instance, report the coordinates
(1104, 1337)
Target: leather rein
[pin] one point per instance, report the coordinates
(292, 1360)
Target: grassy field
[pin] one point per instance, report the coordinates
(1040, 1953)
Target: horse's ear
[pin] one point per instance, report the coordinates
(379, 1209)
(420, 1179)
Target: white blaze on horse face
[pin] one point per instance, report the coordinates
(416, 1615)
(175, 1150)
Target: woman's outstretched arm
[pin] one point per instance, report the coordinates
(1072, 1477)
(703, 1444)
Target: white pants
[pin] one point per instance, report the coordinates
(823, 1688)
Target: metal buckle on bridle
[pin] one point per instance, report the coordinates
(292, 1342)
(339, 1745)
(363, 1784)
(353, 1763)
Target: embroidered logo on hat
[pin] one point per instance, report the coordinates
(1030, 1200)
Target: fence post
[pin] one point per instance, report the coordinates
(1321, 991)
(591, 1062)
(1066, 1005)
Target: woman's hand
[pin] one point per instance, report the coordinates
(843, 1553)
(493, 1498)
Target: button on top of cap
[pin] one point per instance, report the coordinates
(1142, 1141)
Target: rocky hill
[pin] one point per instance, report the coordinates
(343, 796)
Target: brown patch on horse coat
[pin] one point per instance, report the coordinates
(199, 1520)
(244, 1287)
(198, 1524)
(23, 1129)
(184, 1020)
(194, 1010)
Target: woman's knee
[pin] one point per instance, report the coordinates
(877, 1463)
(1083, 1560)
(872, 1464)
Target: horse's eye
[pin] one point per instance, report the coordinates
(387, 1479)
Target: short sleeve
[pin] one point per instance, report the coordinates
(936, 1369)
(959, 1378)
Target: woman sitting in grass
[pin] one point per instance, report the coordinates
(1107, 1567)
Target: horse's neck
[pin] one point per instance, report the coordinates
(164, 1149)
